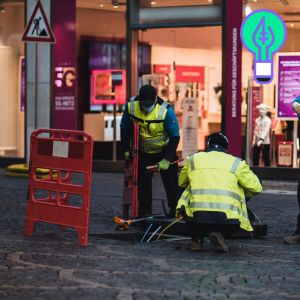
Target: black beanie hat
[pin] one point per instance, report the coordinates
(219, 139)
(147, 94)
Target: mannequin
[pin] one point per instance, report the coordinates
(261, 136)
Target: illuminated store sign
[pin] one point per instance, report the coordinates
(288, 87)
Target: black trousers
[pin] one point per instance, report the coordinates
(200, 230)
(169, 178)
(298, 218)
(265, 152)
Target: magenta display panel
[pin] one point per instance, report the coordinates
(256, 99)
(288, 87)
(105, 56)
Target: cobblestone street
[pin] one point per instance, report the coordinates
(52, 265)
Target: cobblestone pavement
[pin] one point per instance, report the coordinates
(51, 265)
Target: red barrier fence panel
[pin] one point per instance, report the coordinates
(63, 197)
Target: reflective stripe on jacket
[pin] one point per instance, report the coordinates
(153, 136)
(216, 181)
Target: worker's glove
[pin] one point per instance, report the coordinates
(126, 155)
(180, 212)
(163, 165)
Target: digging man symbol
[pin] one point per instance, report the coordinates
(36, 26)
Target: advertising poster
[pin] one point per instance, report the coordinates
(285, 154)
(189, 126)
(108, 87)
(256, 99)
(288, 87)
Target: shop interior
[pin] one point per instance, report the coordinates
(12, 80)
(183, 63)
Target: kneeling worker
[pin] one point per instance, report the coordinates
(158, 141)
(213, 202)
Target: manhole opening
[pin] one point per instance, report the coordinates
(131, 237)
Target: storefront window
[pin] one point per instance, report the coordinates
(12, 80)
(186, 64)
(269, 106)
(187, 71)
(102, 73)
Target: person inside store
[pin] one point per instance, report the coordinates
(158, 141)
(261, 136)
(213, 203)
(295, 237)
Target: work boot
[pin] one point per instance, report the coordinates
(293, 239)
(218, 241)
(195, 246)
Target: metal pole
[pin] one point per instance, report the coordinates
(36, 85)
(249, 121)
(115, 134)
(132, 11)
(35, 103)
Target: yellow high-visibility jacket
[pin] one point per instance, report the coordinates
(153, 136)
(218, 182)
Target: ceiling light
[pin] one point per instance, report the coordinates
(153, 2)
(209, 1)
(115, 3)
(284, 2)
(2, 10)
(101, 5)
(248, 10)
(292, 25)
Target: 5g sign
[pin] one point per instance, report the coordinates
(65, 77)
(263, 33)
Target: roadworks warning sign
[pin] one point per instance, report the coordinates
(38, 29)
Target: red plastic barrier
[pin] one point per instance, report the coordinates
(68, 156)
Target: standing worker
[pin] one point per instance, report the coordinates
(216, 184)
(295, 237)
(158, 141)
